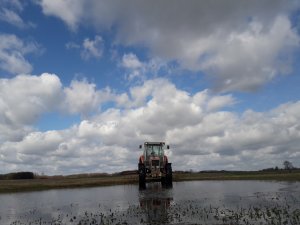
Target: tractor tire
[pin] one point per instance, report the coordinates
(169, 175)
(142, 176)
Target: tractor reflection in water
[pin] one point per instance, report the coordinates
(154, 166)
(155, 202)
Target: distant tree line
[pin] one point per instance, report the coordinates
(287, 166)
(17, 176)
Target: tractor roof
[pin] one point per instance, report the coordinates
(154, 143)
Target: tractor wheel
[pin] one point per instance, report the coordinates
(169, 175)
(142, 176)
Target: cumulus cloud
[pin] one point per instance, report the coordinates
(141, 70)
(135, 67)
(89, 48)
(92, 48)
(12, 52)
(131, 61)
(250, 58)
(238, 44)
(202, 134)
(83, 98)
(23, 99)
(69, 11)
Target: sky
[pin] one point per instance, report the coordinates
(84, 83)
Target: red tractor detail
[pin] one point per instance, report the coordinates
(153, 165)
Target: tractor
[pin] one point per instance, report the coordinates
(153, 165)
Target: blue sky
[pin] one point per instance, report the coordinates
(82, 84)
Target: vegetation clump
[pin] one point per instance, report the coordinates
(17, 176)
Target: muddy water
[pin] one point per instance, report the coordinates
(196, 202)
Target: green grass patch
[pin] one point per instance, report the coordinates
(277, 176)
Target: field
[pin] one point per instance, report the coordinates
(94, 180)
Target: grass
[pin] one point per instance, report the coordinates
(80, 181)
(255, 175)
(7, 186)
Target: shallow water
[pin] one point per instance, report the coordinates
(194, 202)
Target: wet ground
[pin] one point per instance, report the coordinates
(197, 202)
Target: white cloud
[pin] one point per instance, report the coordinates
(134, 66)
(92, 48)
(14, 4)
(83, 98)
(72, 45)
(25, 98)
(131, 61)
(251, 58)
(202, 134)
(10, 13)
(12, 52)
(239, 44)
(89, 48)
(68, 10)
(11, 17)
(219, 102)
(140, 71)
(38, 143)
(22, 101)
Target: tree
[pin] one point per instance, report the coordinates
(288, 165)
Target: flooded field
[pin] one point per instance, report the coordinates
(194, 202)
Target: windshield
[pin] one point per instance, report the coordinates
(153, 150)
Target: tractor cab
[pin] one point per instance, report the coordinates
(154, 154)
